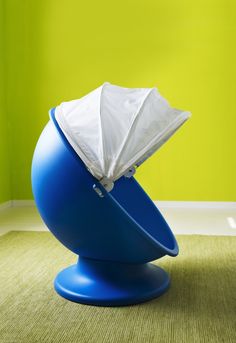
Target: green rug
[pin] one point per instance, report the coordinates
(200, 306)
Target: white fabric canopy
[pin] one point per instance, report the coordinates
(113, 128)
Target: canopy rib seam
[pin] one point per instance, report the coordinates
(180, 120)
(133, 121)
(101, 128)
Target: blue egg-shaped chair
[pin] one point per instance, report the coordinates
(116, 233)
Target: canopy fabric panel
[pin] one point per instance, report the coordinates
(114, 128)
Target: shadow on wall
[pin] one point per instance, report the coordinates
(24, 88)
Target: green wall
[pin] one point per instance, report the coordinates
(61, 49)
(5, 193)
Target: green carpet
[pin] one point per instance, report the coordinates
(200, 306)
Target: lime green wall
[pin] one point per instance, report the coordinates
(5, 193)
(61, 49)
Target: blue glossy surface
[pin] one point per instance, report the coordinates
(110, 283)
(123, 227)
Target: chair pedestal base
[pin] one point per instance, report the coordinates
(103, 283)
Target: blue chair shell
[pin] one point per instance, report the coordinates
(123, 226)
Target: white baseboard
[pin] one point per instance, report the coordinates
(5, 205)
(22, 203)
(184, 217)
(16, 203)
(230, 205)
(196, 204)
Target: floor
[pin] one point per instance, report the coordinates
(199, 307)
(203, 221)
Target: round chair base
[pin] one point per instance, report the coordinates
(103, 283)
